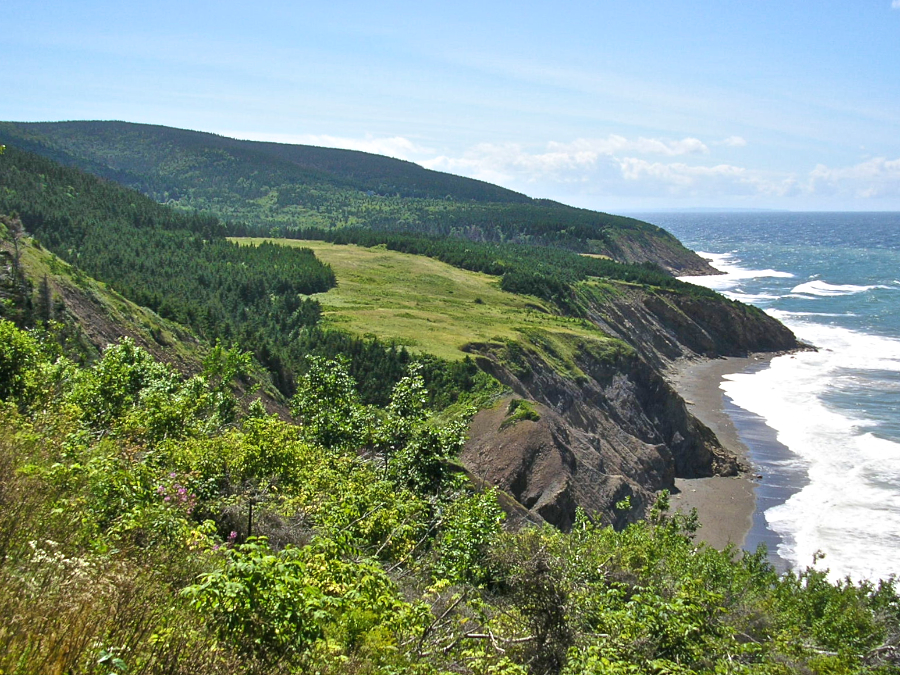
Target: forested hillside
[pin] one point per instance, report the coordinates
(258, 297)
(260, 186)
(181, 265)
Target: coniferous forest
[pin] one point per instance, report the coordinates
(182, 266)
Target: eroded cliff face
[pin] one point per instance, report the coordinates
(616, 429)
(649, 243)
(665, 326)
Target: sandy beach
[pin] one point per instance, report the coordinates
(725, 506)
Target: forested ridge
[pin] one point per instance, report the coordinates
(140, 151)
(148, 526)
(263, 187)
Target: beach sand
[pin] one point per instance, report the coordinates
(725, 506)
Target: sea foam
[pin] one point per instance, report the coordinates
(732, 272)
(849, 507)
(826, 290)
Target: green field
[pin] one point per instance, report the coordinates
(428, 305)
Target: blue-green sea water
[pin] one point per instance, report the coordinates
(834, 279)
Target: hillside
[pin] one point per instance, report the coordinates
(602, 423)
(449, 401)
(148, 526)
(85, 316)
(561, 330)
(259, 186)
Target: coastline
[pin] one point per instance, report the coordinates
(726, 506)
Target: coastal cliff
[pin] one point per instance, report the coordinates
(664, 326)
(614, 428)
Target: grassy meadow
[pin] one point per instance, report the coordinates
(430, 306)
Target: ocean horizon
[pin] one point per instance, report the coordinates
(822, 426)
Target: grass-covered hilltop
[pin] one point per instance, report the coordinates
(279, 409)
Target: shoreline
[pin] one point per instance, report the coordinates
(726, 506)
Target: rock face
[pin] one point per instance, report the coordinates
(619, 430)
(664, 327)
(653, 244)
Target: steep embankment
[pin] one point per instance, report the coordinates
(616, 428)
(41, 287)
(665, 326)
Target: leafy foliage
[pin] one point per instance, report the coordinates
(124, 549)
(519, 410)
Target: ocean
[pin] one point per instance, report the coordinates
(822, 427)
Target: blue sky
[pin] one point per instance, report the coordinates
(615, 106)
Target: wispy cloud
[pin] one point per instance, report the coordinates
(561, 162)
(613, 144)
(680, 179)
(896, 4)
(876, 177)
(616, 165)
(735, 141)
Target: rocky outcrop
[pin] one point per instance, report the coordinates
(638, 242)
(617, 429)
(665, 326)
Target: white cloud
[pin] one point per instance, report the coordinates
(896, 4)
(394, 146)
(876, 177)
(680, 179)
(615, 165)
(614, 143)
(736, 141)
(560, 162)
(677, 173)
